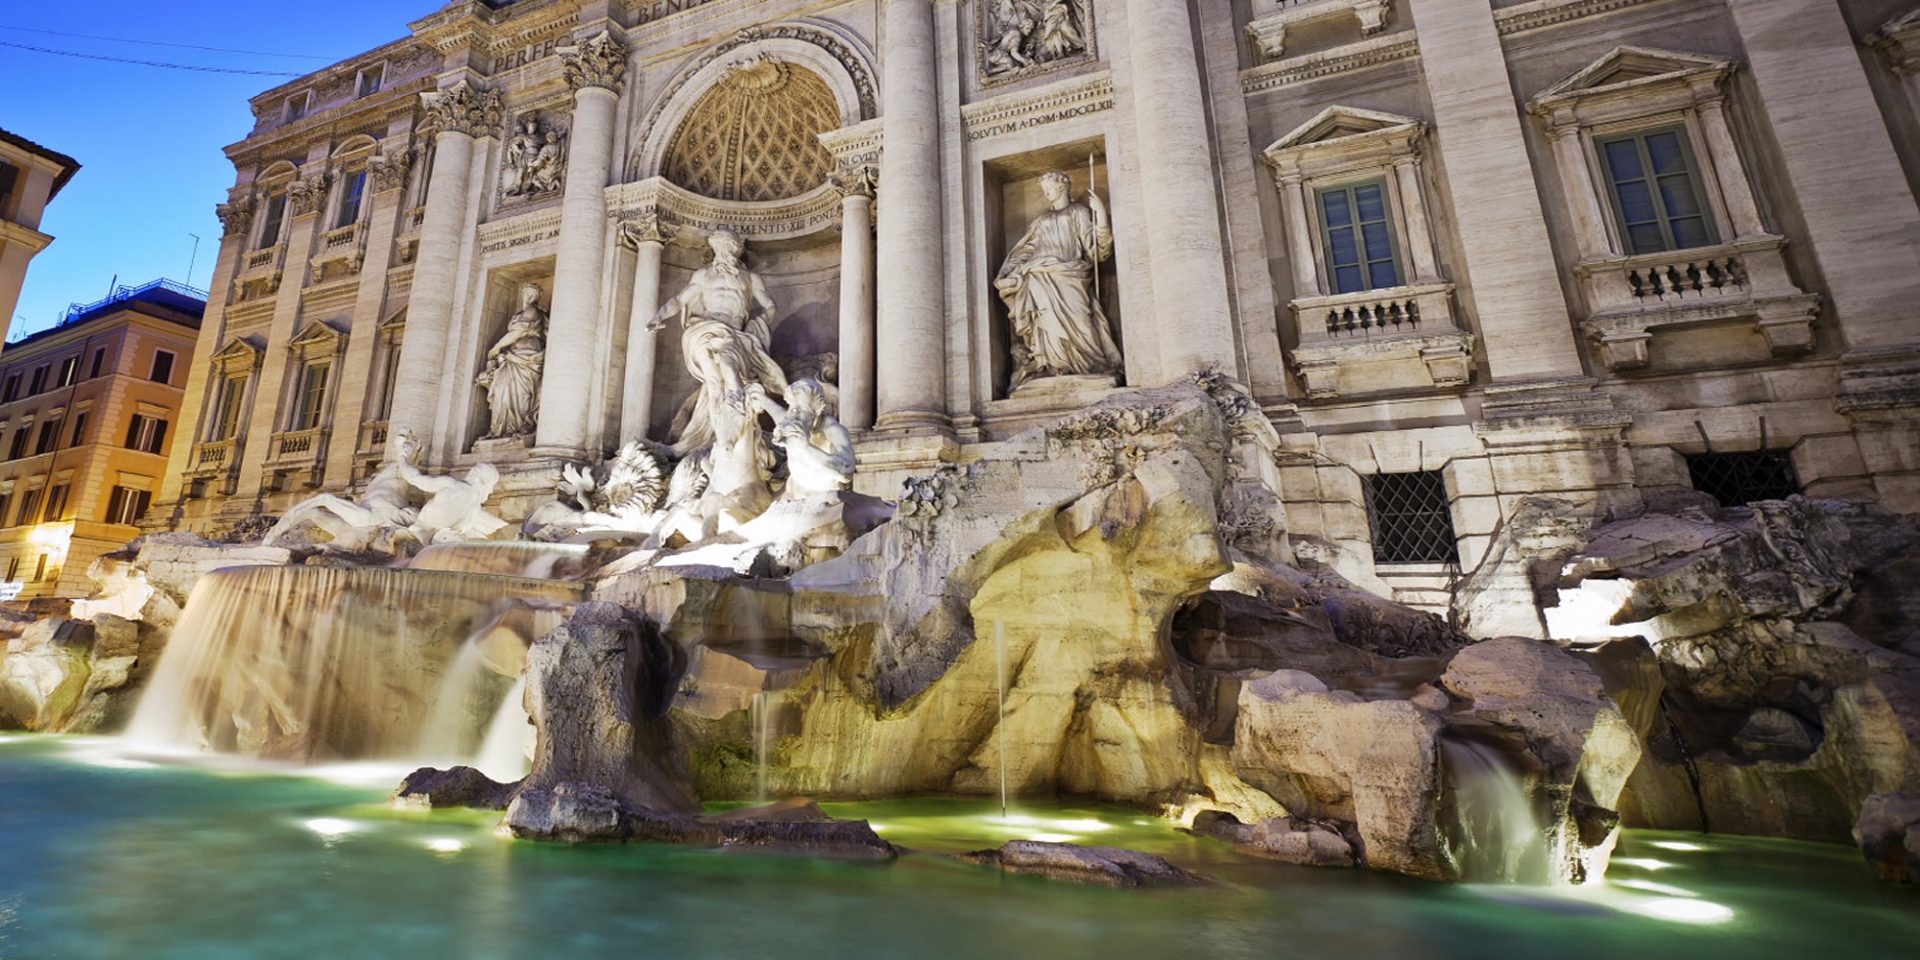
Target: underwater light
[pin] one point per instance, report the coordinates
(330, 828)
(1650, 886)
(1685, 911)
(1644, 863)
(1049, 837)
(445, 844)
(1680, 846)
(1087, 825)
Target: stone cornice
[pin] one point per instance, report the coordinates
(1525, 17)
(1061, 100)
(1361, 55)
(816, 210)
(1899, 41)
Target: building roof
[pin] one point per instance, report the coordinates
(168, 294)
(68, 165)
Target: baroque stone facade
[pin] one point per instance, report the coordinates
(1455, 252)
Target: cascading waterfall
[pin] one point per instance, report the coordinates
(503, 752)
(1000, 700)
(1499, 834)
(304, 663)
(761, 715)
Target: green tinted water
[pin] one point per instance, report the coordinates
(100, 857)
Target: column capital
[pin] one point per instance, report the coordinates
(856, 179)
(598, 61)
(307, 194)
(236, 215)
(389, 170)
(464, 108)
(645, 228)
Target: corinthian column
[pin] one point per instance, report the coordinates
(1189, 263)
(594, 69)
(911, 291)
(462, 113)
(648, 237)
(856, 296)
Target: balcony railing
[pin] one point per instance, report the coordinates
(1374, 314)
(213, 454)
(373, 437)
(297, 447)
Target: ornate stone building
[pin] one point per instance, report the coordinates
(30, 177)
(1460, 251)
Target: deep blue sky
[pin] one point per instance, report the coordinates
(149, 140)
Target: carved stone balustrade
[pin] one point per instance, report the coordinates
(1632, 298)
(295, 450)
(216, 460)
(1392, 339)
(339, 253)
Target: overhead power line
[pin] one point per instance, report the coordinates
(150, 63)
(164, 43)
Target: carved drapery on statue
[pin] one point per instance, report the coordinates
(1049, 282)
(511, 376)
(726, 321)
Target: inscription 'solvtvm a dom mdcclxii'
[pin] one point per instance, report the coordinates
(1457, 251)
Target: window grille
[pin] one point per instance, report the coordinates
(1733, 479)
(1410, 518)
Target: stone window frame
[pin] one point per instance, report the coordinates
(239, 358)
(378, 70)
(1272, 18)
(1689, 92)
(1344, 146)
(273, 182)
(296, 107)
(318, 342)
(1742, 276)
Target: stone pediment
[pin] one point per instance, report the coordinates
(238, 348)
(317, 333)
(1625, 65)
(1342, 139)
(1337, 122)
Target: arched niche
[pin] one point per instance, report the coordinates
(839, 61)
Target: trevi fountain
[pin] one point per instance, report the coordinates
(731, 687)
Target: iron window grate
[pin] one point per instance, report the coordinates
(1734, 479)
(1410, 518)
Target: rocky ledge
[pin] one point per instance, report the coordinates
(1109, 866)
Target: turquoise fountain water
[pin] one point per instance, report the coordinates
(107, 857)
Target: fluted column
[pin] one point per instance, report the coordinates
(911, 286)
(462, 113)
(856, 297)
(648, 237)
(1189, 281)
(594, 69)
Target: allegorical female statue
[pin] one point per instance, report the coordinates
(1059, 327)
(512, 374)
(726, 320)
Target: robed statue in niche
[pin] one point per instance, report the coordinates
(511, 376)
(1050, 285)
(726, 319)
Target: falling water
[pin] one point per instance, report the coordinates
(761, 716)
(503, 753)
(450, 731)
(513, 558)
(1499, 834)
(1000, 699)
(302, 663)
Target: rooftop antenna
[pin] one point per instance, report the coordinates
(194, 260)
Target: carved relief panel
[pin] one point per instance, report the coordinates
(1016, 39)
